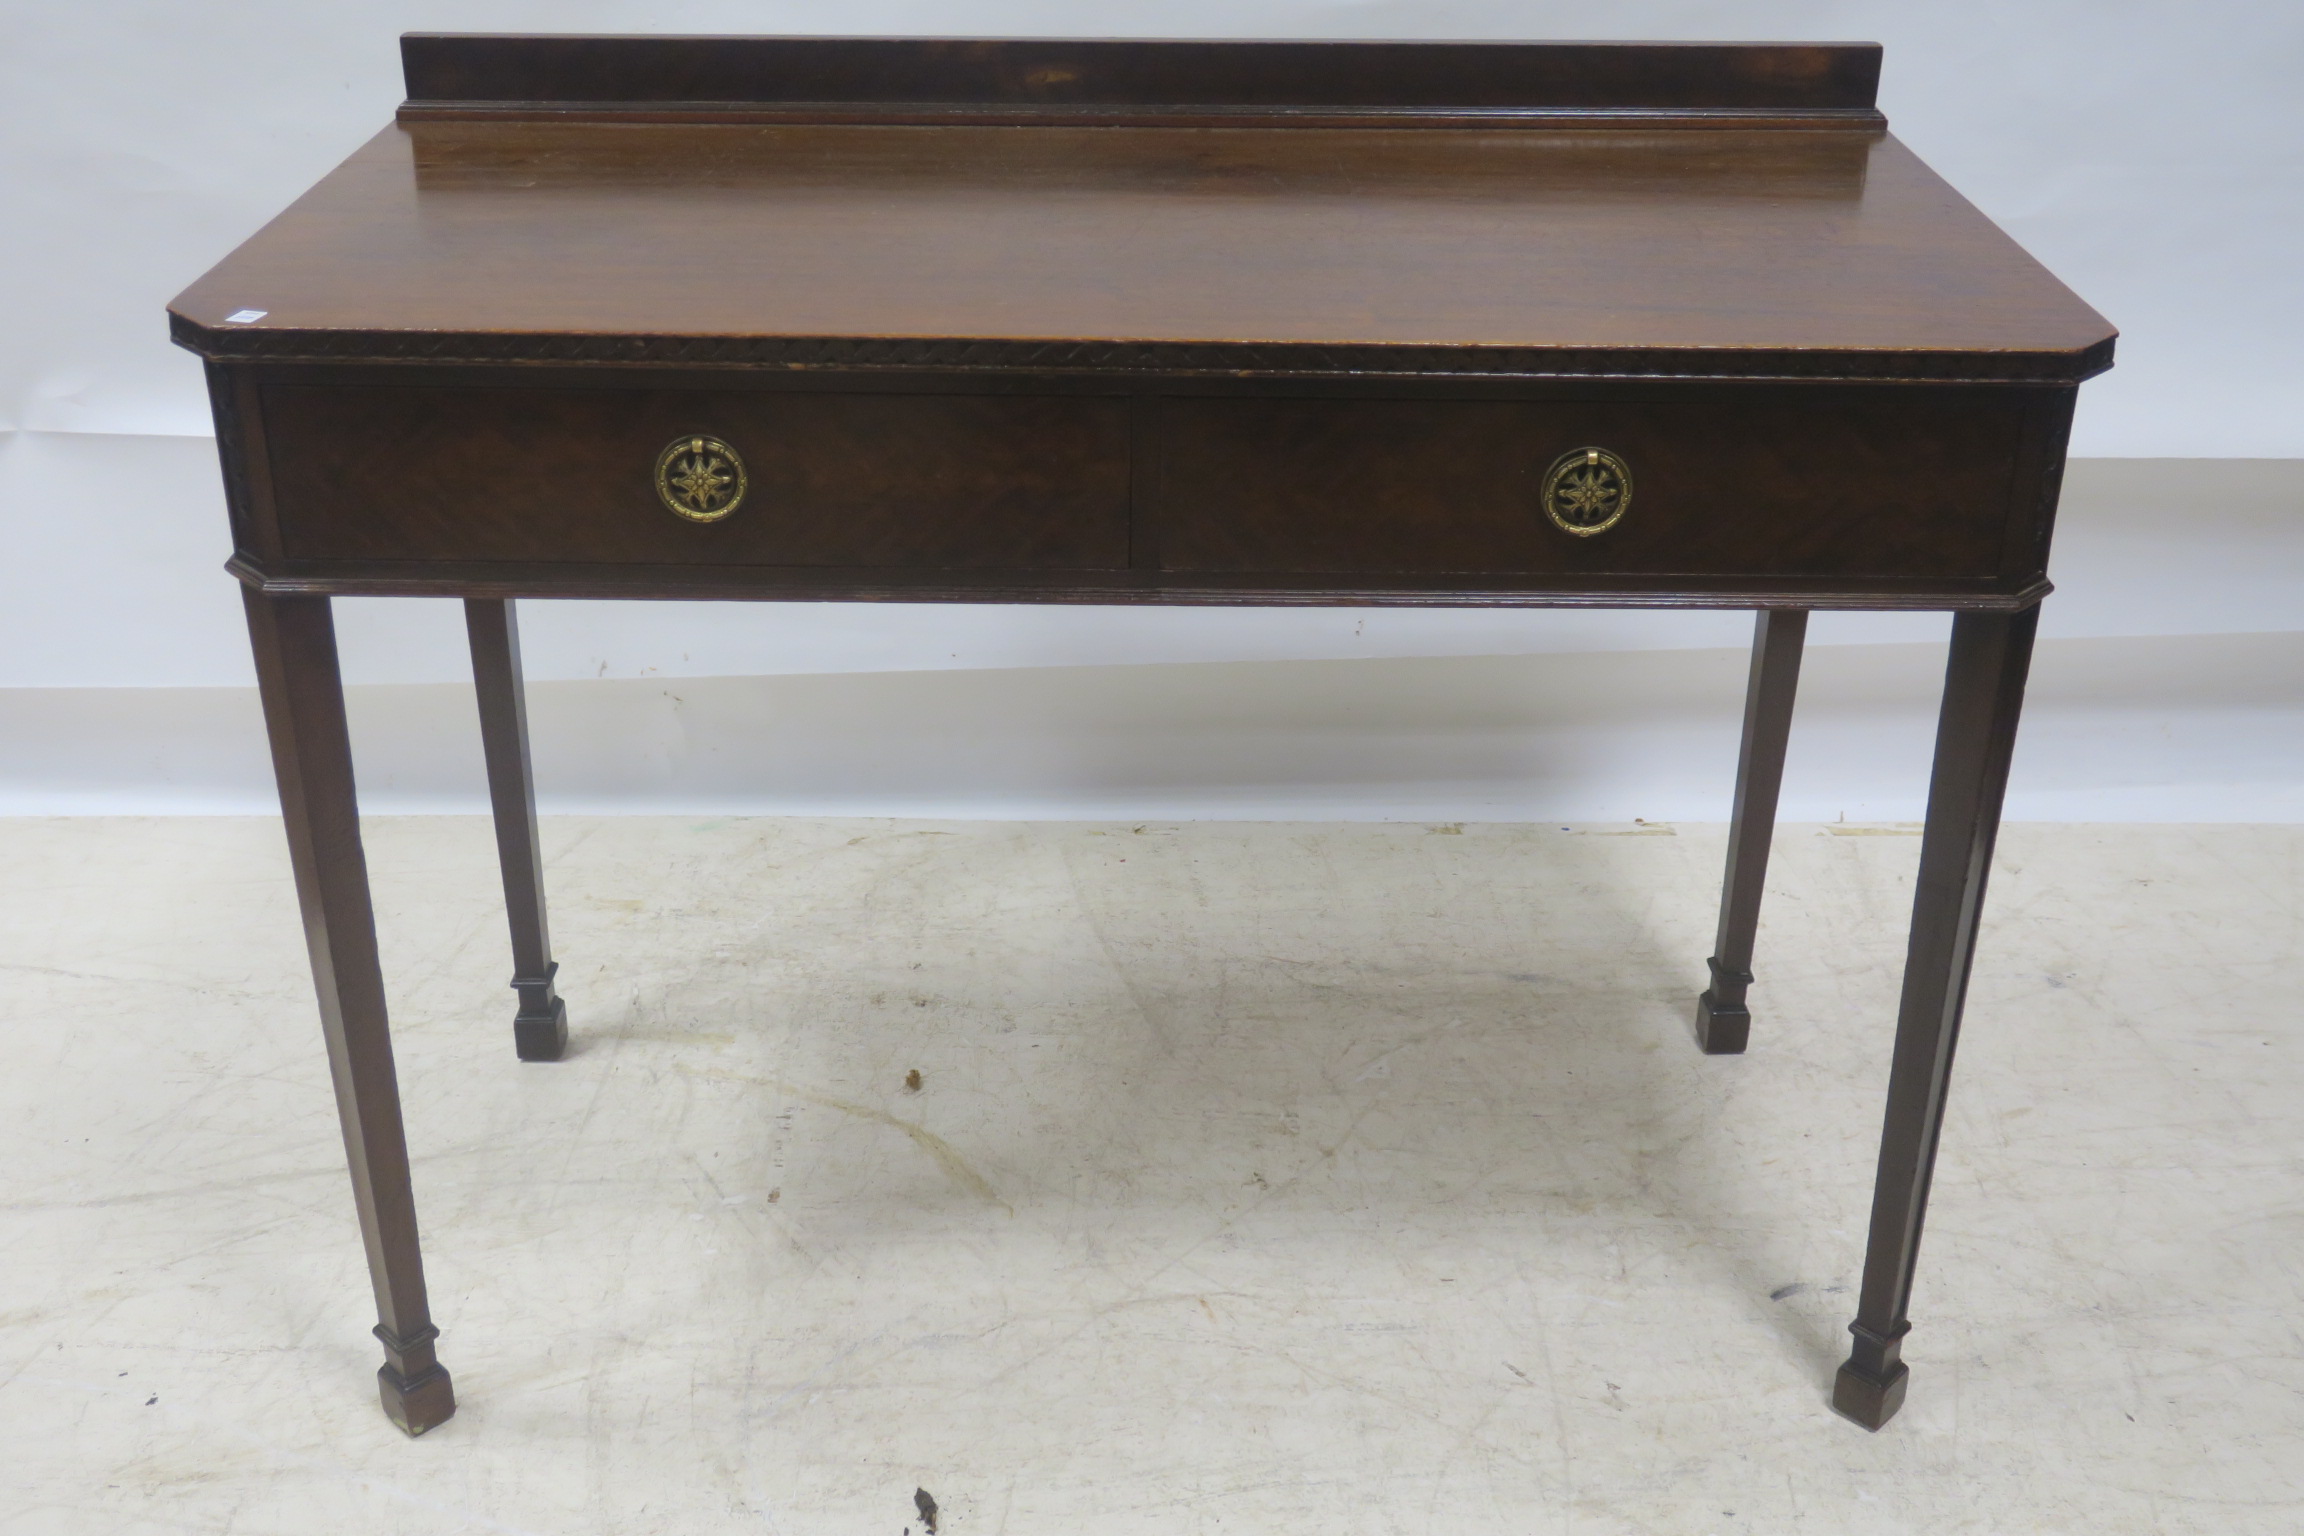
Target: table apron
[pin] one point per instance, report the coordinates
(1760, 495)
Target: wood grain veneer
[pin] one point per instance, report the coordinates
(1700, 253)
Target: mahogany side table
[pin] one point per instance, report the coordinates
(820, 319)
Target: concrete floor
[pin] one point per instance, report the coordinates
(1259, 1178)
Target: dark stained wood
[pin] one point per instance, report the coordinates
(409, 578)
(1796, 483)
(1906, 495)
(1230, 323)
(540, 1026)
(1044, 80)
(295, 646)
(1800, 483)
(1527, 253)
(1723, 1021)
(934, 481)
(1975, 737)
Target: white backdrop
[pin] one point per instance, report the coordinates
(2148, 152)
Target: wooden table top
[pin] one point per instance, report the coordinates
(1608, 245)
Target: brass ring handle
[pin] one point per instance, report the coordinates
(1586, 491)
(701, 478)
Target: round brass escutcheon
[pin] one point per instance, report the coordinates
(1586, 491)
(701, 478)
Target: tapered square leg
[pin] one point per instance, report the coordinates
(294, 640)
(1975, 738)
(540, 1027)
(1723, 1022)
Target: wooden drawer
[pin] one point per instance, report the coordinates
(1163, 497)
(561, 476)
(1850, 484)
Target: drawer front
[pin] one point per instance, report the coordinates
(934, 482)
(1857, 484)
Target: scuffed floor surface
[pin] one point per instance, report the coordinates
(1256, 1179)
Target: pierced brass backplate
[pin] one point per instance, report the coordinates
(1586, 491)
(701, 478)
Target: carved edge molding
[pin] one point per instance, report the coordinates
(1176, 589)
(266, 344)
